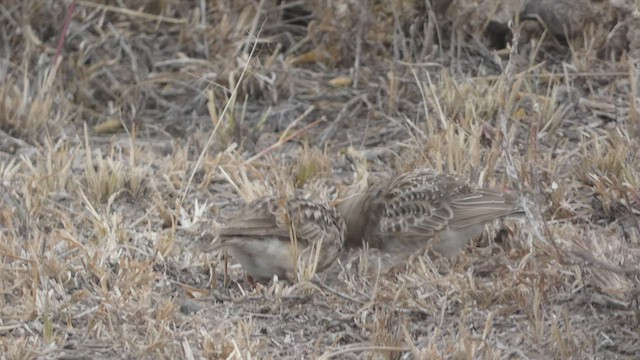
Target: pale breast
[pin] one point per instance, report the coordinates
(259, 235)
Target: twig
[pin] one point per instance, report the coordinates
(337, 293)
(283, 141)
(134, 13)
(224, 111)
(555, 76)
(65, 27)
(590, 259)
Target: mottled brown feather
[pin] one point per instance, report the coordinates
(258, 235)
(422, 208)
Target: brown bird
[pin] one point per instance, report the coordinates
(562, 17)
(271, 235)
(421, 209)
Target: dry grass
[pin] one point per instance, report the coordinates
(163, 115)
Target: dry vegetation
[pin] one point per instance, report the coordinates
(162, 115)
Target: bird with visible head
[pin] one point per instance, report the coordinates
(271, 236)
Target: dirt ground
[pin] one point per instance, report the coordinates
(125, 145)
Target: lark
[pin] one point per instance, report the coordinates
(423, 209)
(275, 236)
(563, 18)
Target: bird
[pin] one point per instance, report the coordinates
(272, 235)
(563, 18)
(422, 209)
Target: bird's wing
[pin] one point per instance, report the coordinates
(258, 218)
(421, 203)
(411, 214)
(275, 218)
(482, 206)
(313, 222)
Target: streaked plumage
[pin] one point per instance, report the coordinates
(259, 237)
(423, 208)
